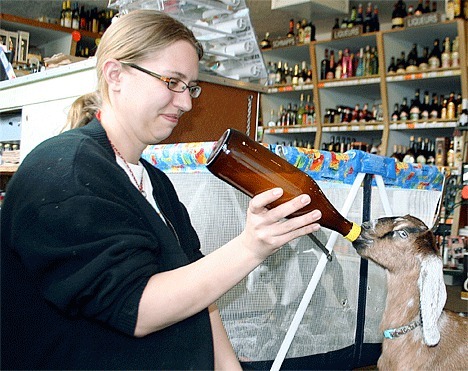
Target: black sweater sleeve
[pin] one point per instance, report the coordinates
(87, 236)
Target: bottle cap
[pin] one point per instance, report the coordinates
(353, 233)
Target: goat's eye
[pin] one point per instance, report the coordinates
(402, 233)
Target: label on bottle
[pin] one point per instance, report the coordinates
(397, 22)
(434, 62)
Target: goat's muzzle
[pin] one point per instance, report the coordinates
(364, 240)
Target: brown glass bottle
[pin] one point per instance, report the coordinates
(252, 168)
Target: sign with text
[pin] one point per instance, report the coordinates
(342, 33)
(422, 20)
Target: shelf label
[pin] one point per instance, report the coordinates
(342, 33)
(283, 42)
(422, 20)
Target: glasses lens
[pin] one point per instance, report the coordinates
(176, 85)
(195, 91)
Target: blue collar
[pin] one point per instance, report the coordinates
(393, 333)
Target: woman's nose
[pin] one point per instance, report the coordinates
(183, 101)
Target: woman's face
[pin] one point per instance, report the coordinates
(147, 108)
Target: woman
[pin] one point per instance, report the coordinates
(101, 267)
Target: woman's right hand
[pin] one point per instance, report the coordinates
(266, 230)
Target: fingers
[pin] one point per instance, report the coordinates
(258, 203)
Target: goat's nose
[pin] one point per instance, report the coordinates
(366, 225)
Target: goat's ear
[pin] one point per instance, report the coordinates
(433, 294)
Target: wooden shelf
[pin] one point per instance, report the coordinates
(9, 20)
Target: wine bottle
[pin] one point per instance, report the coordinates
(415, 108)
(399, 14)
(463, 116)
(396, 113)
(404, 110)
(331, 68)
(435, 110)
(455, 56)
(401, 65)
(435, 56)
(337, 24)
(352, 17)
(324, 66)
(419, 9)
(410, 153)
(62, 13)
(412, 61)
(291, 29)
(265, 42)
(392, 66)
(375, 19)
(252, 168)
(426, 106)
(423, 63)
(445, 57)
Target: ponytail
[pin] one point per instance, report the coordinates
(82, 111)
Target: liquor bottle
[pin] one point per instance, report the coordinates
(252, 168)
(287, 74)
(463, 116)
(435, 56)
(455, 56)
(446, 54)
(360, 63)
(359, 16)
(368, 19)
(337, 24)
(68, 16)
(295, 76)
(374, 61)
(75, 17)
(279, 73)
(345, 61)
(265, 43)
(412, 61)
(451, 110)
(399, 14)
(303, 74)
(427, 7)
(451, 154)
(339, 66)
(404, 110)
(62, 13)
(300, 112)
(392, 66)
(434, 7)
(435, 110)
(309, 32)
(299, 32)
(396, 113)
(375, 19)
(352, 17)
(419, 9)
(443, 107)
(423, 63)
(409, 156)
(415, 108)
(291, 29)
(426, 106)
(83, 18)
(324, 66)
(430, 158)
(401, 65)
(273, 119)
(421, 154)
(331, 68)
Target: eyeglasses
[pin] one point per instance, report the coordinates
(173, 84)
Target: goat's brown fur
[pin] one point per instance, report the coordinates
(400, 245)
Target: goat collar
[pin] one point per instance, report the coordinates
(393, 333)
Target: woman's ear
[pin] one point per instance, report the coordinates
(112, 70)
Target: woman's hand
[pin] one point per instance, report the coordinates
(266, 230)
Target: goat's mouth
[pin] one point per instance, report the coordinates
(362, 242)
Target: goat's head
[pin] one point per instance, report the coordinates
(400, 244)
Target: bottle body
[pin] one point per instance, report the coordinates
(253, 169)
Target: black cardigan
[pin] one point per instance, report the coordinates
(79, 243)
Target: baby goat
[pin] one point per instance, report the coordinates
(418, 333)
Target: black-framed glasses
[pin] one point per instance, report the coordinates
(173, 83)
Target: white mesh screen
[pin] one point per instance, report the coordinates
(258, 311)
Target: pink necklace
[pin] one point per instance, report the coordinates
(140, 184)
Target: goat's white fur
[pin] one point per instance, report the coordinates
(433, 296)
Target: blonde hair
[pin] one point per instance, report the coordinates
(132, 37)
(135, 36)
(82, 110)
